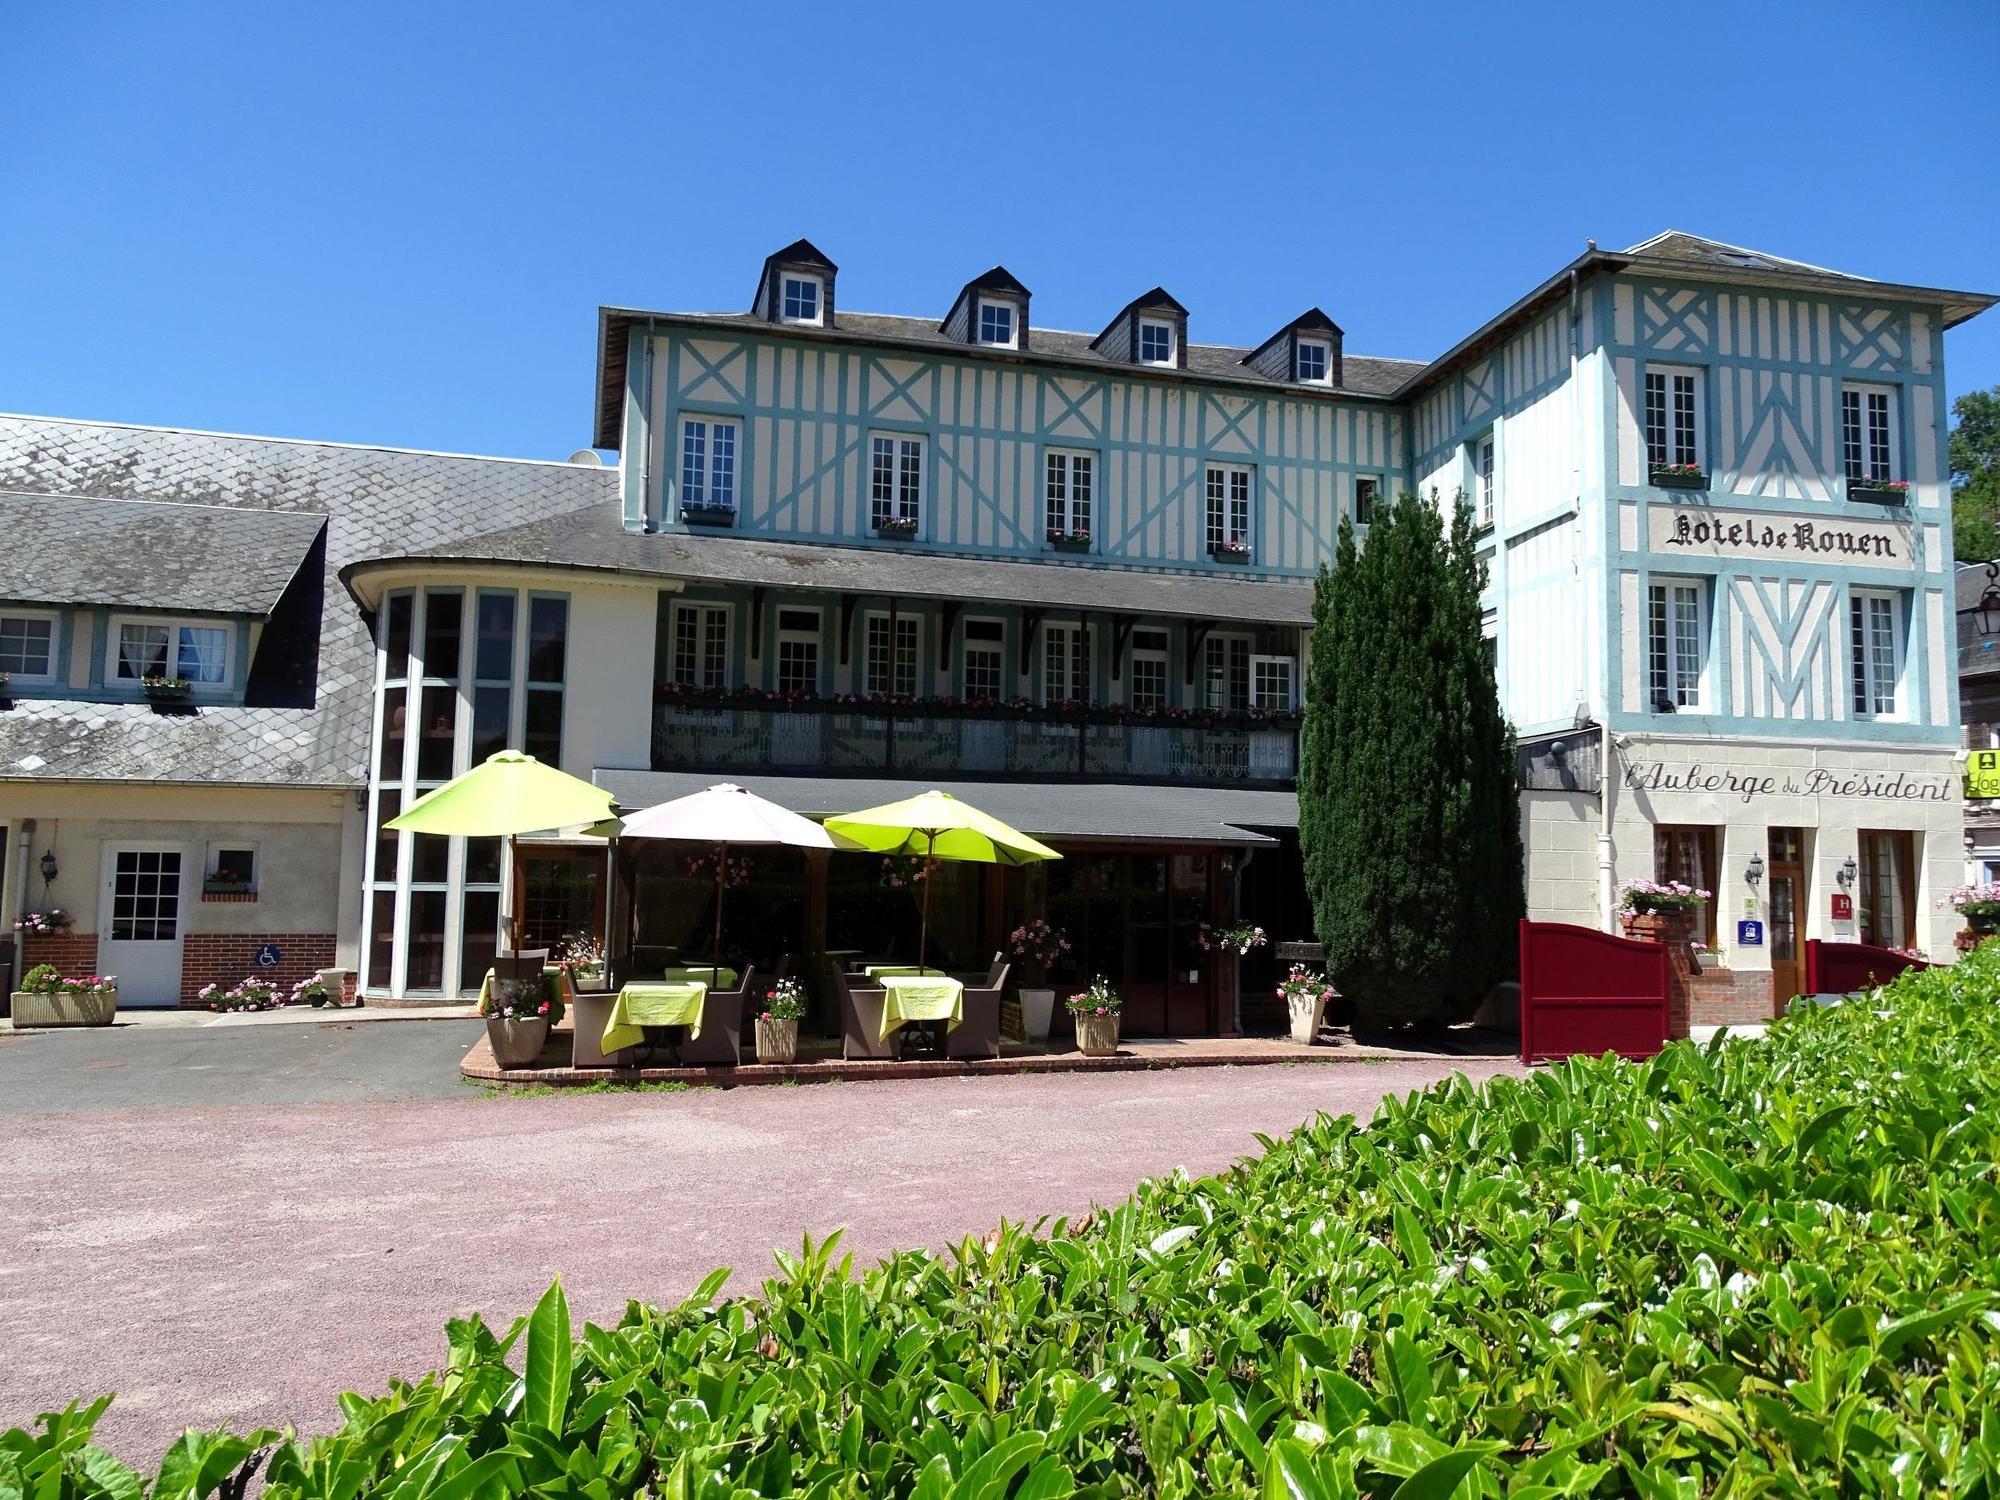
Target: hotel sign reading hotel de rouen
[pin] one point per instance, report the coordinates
(1706, 532)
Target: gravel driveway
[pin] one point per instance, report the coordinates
(245, 1260)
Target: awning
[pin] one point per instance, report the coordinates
(1140, 814)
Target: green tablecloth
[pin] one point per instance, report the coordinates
(915, 997)
(641, 1005)
(559, 990)
(893, 971)
(725, 977)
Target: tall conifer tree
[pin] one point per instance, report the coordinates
(1409, 813)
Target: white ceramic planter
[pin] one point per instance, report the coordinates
(1038, 1009)
(777, 1041)
(517, 1043)
(1306, 1018)
(1097, 1036)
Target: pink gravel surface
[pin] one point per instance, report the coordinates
(244, 1265)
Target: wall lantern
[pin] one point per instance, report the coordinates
(50, 869)
(1755, 873)
(1847, 873)
(1989, 602)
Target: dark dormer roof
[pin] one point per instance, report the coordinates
(1312, 320)
(800, 255)
(958, 325)
(1159, 299)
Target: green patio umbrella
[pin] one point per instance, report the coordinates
(937, 825)
(506, 794)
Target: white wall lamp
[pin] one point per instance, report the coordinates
(1754, 873)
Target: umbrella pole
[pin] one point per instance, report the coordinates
(721, 862)
(924, 932)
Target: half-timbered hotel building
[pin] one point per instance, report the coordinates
(843, 556)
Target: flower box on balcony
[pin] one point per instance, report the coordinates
(1069, 541)
(896, 531)
(1678, 477)
(166, 689)
(1230, 552)
(708, 515)
(1879, 491)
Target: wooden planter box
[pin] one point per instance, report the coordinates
(1066, 544)
(64, 1009)
(1875, 492)
(708, 515)
(896, 533)
(1229, 555)
(167, 693)
(1667, 480)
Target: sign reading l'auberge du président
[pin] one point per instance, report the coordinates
(1702, 531)
(1730, 781)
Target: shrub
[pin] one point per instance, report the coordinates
(47, 979)
(245, 994)
(1755, 1268)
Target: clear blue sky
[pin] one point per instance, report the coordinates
(394, 222)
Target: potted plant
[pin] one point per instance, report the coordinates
(897, 528)
(245, 994)
(48, 998)
(1075, 540)
(166, 689)
(1705, 957)
(1979, 905)
(1237, 551)
(1678, 476)
(778, 1022)
(45, 923)
(1879, 491)
(1656, 911)
(583, 956)
(317, 990)
(1037, 947)
(708, 515)
(1095, 1012)
(1306, 995)
(1239, 939)
(518, 1016)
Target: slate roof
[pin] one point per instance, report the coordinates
(214, 559)
(1362, 375)
(1180, 815)
(596, 539)
(373, 500)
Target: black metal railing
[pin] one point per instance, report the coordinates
(837, 739)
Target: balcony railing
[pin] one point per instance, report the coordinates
(882, 739)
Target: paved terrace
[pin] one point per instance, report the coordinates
(236, 1224)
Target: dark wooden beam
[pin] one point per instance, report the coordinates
(1031, 630)
(946, 625)
(847, 603)
(757, 623)
(1121, 632)
(1197, 633)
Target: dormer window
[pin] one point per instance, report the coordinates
(801, 298)
(1315, 362)
(996, 324)
(1156, 342)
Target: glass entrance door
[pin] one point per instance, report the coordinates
(1788, 907)
(141, 941)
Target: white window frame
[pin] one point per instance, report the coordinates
(1069, 632)
(696, 615)
(174, 624)
(784, 635)
(1161, 656)
(216, 846)
(1214, 691)
(1485, 466)
(997, 305)
(967, 645)
(1696, 452)
(902, 504)
(894, 624)
(1065, 472)
(720, 469)
(1220, 526)
(786, 280)
(1325, 349)
(1374, 504)
(54, 621)
(1861, 465)
(1868, 692)
(1669, 640)
(1262, 669)
(1161, 325)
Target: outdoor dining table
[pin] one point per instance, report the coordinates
(897, 971)
(723, 978)
(647, 1003)
(920, 997)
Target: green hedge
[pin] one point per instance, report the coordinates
(1760, 1268)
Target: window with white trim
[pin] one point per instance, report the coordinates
(1482, 466)
(800, 298)
(997, 324)
(230, 868)
(701, 645)
(1156, 342)
(1070, 477)
(169, 648)
(896, 479)
(1676, 644)
(1225, 671)
(1315, 362)
(1367, 495)
(984, 653)
(1875, 646)
(889, 660)
(1228, 520)
(28, 647)
(1868, 432)
(1272, 680)
(1673, 415)
(1149, 669)
(1065, 664)
(798, 652)
(708, 462)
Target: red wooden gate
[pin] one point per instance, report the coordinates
(1843, 968)
(1584, 991)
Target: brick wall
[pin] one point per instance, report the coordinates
(73, 952)
(1730, 997)
(226, 957)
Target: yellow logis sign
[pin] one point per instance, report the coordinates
(1982, 773)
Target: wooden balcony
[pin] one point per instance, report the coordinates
(815, 737)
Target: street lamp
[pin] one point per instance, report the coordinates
(1989, 601)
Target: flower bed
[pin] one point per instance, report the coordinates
(1751, 1268)
(245, 994)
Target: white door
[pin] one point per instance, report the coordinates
(140, 937)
